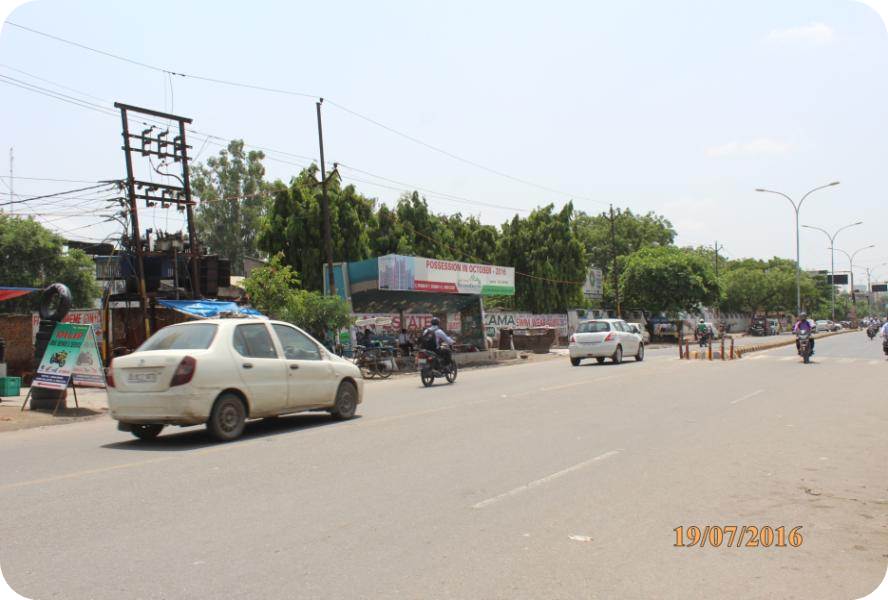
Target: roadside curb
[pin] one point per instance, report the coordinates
(743, 350)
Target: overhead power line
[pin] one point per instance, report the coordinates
(341, 107)
(32, 198)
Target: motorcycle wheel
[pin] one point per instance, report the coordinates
(426, 377)
(450, 374)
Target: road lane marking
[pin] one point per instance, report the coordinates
(75, 474)
(788, 358)
(847, 361)
(874, 362)
(747, 396)
(538, 482)
(759, 357)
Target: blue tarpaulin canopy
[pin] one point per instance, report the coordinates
(208, 309)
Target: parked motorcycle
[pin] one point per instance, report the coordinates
(804, 338)
(430, 366)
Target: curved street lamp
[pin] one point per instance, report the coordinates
(832, 257)
(851, 269)
(797, 208)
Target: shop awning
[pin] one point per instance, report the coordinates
(8, 293)
(208, 309)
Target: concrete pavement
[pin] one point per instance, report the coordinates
(538, 481)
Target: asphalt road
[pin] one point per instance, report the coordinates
(532, 481)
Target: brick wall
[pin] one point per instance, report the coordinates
(18, 333)
(128, 331)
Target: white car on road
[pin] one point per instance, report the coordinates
(224, 371)
(644, 333)
(821, 325)
(604, 338)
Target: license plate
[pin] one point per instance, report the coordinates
(421, 361)
(142, 378)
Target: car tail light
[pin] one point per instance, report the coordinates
(184, 372)
(109, 375)
(610, 337)
(573, 339)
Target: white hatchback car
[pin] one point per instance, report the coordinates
(224, 371)
(604, 338)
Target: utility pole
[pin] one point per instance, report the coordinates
(716, 247)
(325, 207)
(150, 144)
(11, 183)
(614, 253)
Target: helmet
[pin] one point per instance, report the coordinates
(701, 320)
(436, 322)
(803, 315)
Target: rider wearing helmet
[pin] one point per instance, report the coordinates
(803, 324)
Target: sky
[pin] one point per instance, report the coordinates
(679, 107)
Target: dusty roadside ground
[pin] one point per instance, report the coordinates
(93, 403)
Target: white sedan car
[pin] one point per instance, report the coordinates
(224, 371)
(604, 338)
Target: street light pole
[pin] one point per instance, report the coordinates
(797, 208)
(832, 258)
(851, 270)
(869, 285)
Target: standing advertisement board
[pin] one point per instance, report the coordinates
(592, 287)
(91, 316)
(71, 352)
(493, 322)
(417, 274)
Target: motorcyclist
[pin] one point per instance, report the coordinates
(803, 324)
(702, 331)
(439, 336)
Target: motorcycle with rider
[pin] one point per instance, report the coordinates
(435, 357)
(804, 332)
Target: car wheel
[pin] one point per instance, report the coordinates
(575, 361)
(618, 355)
(146, 432)
(599, 360)
(346, 401)
(639, 356)
(228, 418)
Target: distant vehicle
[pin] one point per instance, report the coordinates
(644, 333)
(763, 326)
(605, 338)
(222, 372)
(821, 325)
(833, 326)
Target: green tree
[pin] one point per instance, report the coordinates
(33, 256)
(273, 290)
(234, 198)
(294, 225)
(669, 280)
(545, 249)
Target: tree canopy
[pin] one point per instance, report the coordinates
(33, 256)
(669, 280)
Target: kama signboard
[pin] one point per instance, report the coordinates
(417, 274)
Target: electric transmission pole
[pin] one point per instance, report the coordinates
(11, 183)
(614, 253)
(325, 207)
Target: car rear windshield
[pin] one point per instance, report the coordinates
(593, 327)
(182, 337)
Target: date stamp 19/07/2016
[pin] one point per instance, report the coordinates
(735, 536)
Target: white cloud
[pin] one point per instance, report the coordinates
(816, 33)
(756, 147)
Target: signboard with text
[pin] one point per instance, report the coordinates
(417, 274)
(71, 352)
(592, 287)
(510, 320)
(84, 317)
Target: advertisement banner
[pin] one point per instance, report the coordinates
(497, 321)
(592, 288)
(417, 274)
(83, 317)
(61, 356)
(88, 370)
(391, 324)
